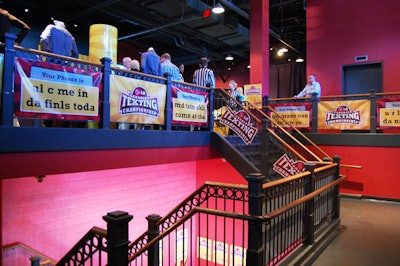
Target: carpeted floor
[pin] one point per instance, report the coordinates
(370, 235)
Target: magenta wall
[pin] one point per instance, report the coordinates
(337, 31)
(53, 215)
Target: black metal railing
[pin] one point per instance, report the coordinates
(288, 217)
(211, 195)
(9, 116)
(91, 248)
(373, 115)
(275, 137)
(218, 224)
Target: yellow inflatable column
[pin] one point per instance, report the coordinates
(103, 40)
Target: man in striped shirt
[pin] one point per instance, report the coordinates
(204, 76)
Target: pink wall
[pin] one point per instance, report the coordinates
(53, 215)
(337, 31)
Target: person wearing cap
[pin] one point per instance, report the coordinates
(58, 40)
(150, 62)
(204, 76)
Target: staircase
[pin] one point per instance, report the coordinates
(254, 153)
(274, 142)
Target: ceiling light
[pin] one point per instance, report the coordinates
(218, 9)
(282, 51)
(299, 60)
(229, 57)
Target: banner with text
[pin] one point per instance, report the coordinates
(388, 113)
(45, 90)
(344, 115)
(285, 166)
(240, 123)
(295, 114)
(189, 107)
(253, 94)
(136, 101)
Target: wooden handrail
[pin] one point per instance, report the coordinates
(304, 198)
(318, 159)
(66, 58)
(185, 201)
(302, 135)
(293, 138)
(284, 143)
(239, 104)
(338, 96)
(189, 215)
(264, 219)
(46, 259)
(93, 231)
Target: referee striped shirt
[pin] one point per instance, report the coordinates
(204, 77)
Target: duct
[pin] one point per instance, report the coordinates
(278, 37)
(100, 6)
(198, 51)
(235, 8)
(161, 27)
(200, 6)
(247, 16)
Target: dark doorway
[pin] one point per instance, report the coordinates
(362, 78)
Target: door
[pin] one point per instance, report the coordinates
(362, 78)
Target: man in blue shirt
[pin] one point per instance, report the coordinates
(57, 39)
(150, 62)
(312, 87)
(166, 66)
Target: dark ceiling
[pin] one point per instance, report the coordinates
(176, 26)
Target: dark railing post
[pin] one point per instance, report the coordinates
(336, 196)
(35, 261)
(152, 232)
(117, 237)
(264, 147)
(372, 111)
(265, 103)
(309, 206)
(105, 114)
(7, 97)
(168, 103)
(256, 234)
(314, 116)
(211, 106)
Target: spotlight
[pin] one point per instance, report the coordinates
(282, 51)
(229, 57)
(218, 9)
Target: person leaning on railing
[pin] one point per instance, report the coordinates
(58, 40)
(312, 87)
